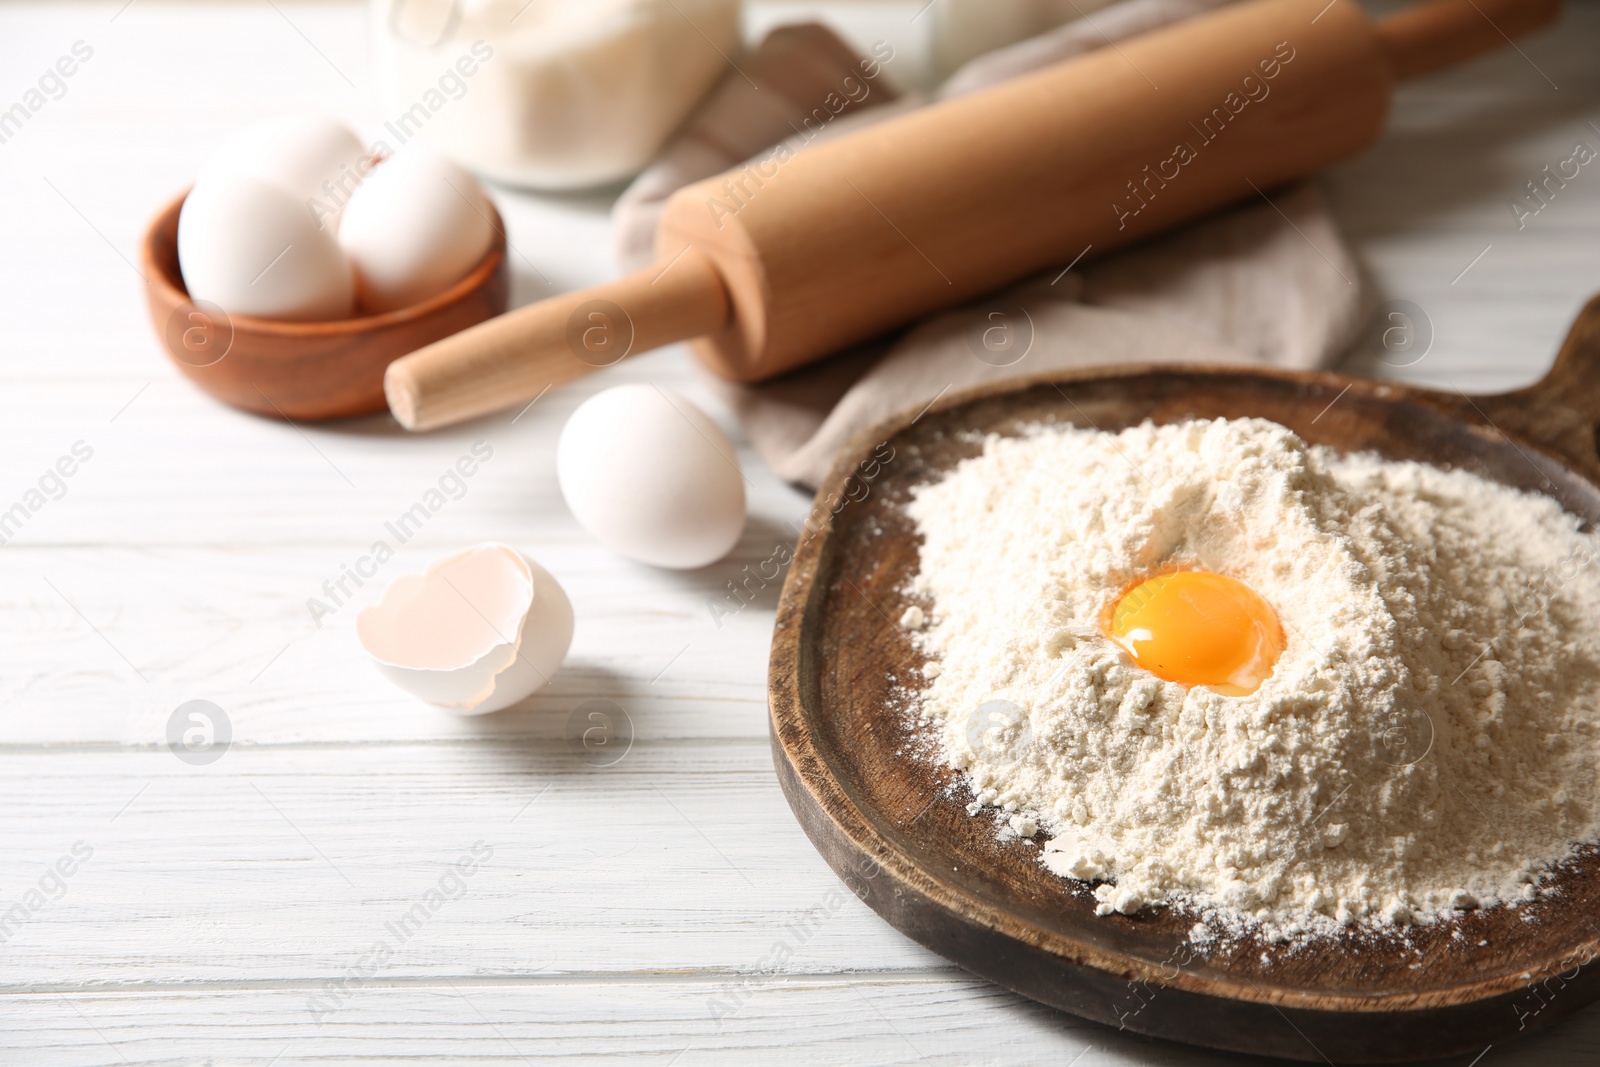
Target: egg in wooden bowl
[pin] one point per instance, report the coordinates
(300, 264)
(304, 370)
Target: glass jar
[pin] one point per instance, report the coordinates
(550, 94)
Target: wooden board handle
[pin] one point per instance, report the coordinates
(516, 357)
(1432, 36)
(1561, 411)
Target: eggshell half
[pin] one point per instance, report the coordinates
(416, 226)
(476, 632)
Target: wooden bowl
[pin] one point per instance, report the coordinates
(895, 827)
(304, 370)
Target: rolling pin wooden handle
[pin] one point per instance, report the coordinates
(516, 357)
(1432, 36)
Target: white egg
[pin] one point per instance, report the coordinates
(315, 159)
(252, 249)
(416, 226)
(649, 475)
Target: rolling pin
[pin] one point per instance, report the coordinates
(793, 256)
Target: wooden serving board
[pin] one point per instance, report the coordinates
(894, 830)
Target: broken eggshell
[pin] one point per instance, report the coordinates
(476, 632)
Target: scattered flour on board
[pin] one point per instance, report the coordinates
(1429, 740)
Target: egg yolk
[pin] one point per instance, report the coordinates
(1197, 628)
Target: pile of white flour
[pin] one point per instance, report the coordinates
(1428, 741)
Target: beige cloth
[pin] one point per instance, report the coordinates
(1263, 283)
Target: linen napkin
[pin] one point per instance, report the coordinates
(1269, 282)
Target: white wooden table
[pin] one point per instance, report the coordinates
(252, 910)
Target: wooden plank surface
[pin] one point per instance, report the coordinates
(291, 861)
(865, 1020)
(634, 910)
